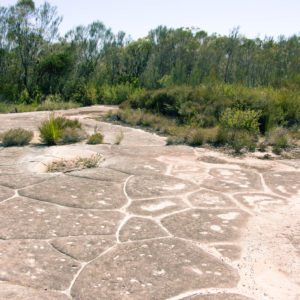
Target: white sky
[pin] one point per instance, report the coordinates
(136, 17)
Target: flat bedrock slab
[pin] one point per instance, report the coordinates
(232, 180)
(151, 186)
(18, 181)
(102, 174)
(134, 165)
(214, 225)
(260, 202)
(17, 292)
(233, 252)
(36, 264)
(156, 269)
(210, 199)
(218, 296)
(140, 229)
(156, 207)
(283, 183)
(6, 193)
(26, 218)
(84, 248)
(78, 192)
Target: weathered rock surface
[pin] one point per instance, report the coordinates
(23, 218)
(152, 270)
(151, 222)
(78, 192)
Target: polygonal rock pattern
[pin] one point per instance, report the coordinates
(151, 270)
(260, 202)
(17, 292)
(156, 207)
(218, 296)
(84, 248)
(140, 229)
(78, 192)
(205, 198)
(212, 160)
(36, 264)
(18, 181)
(233, 252)
(284, 183)
(232, 180)
(40, 220)
(207, 226)
(134, 165)
(154, 186)
(5, 193)
(103, 174)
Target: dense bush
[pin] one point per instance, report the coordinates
(204, 105)
(57, 130)
(16, 137)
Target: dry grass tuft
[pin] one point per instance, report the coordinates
(79, 163)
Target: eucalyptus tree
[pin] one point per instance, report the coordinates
(30, 30)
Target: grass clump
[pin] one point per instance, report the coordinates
(51, 103)
(16, 137)
(279, 139)
(95, 139)
(60, 130)
(78, 163)
(119, 138)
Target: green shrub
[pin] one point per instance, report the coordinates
(96, 138)
(116, 94)
(52, 130)
(16, 137)
(236, 119)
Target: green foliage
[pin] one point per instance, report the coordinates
(95, 139)
(50, 104)
(24, 97)
(236, 119)
(53, 130)
(16, 137)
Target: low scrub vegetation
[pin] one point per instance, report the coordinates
(69, 165)
(60, 130)
(95, 139)
(16, 137)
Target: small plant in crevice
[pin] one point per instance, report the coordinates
(16, 137)
(78, 163)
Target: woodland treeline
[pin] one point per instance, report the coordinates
(91, 64)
